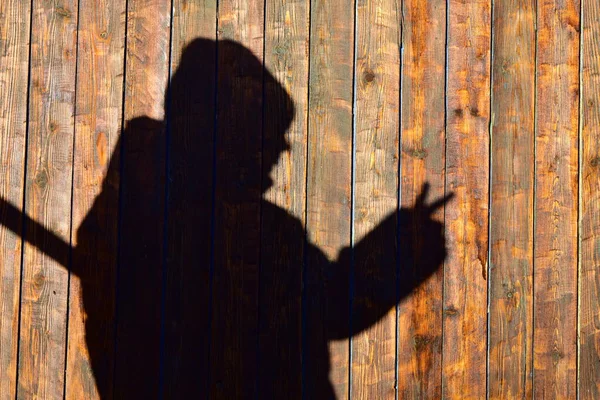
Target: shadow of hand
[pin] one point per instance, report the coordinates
(388, 264)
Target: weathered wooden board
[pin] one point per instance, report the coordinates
(329, 197)
(556, 200)
(233, 351)
(48, 200)
(422, 161)
(283, 213)
(511, 224)
(190, 135)
(14, 73)
(98, 122)
(466, 220)
(589, 278)
(377, 122)
(140, 277)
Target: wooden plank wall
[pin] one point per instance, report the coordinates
(160, 237)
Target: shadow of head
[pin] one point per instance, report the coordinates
(240, 101)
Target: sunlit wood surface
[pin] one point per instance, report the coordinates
(496, 103)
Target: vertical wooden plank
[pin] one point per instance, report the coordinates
(14, 66)
(556, 197)
(233, 351)
(284, 206)
(329, 192)
(48, 199)
(466, 220)
(511, 230)
(422, 160)
(589, 282)
(286, 58)
(377, 78)
(90, 361)
(191, 124)
(142, 202)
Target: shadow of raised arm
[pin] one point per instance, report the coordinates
(388, 264)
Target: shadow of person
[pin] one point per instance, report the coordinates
(193, 285)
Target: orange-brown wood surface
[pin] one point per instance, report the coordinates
(556, 200)
(422, 160)
(14, 67)
(286, 45)
(44, 297)
(511, 222)
(377, 109)
(329, 181)
(589, 212)
(375, 199)
(98, 122)
(466, 220)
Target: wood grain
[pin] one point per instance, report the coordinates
(511, 228)
(90, 362)
(466, 220)
(219, 247)
(14, 69)
(233, 352)
(286, 57)
(140, 277)
(422, 160)
(556, 200)
(377, 120)
(329, 182)
(191, 130)
(589, 278)
(48, 199)
(284, 186)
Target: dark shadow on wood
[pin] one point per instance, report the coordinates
(217, 293)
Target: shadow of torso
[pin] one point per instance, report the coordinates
(194, 312)
(199, 304)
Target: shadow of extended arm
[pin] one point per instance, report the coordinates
(34, 233)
